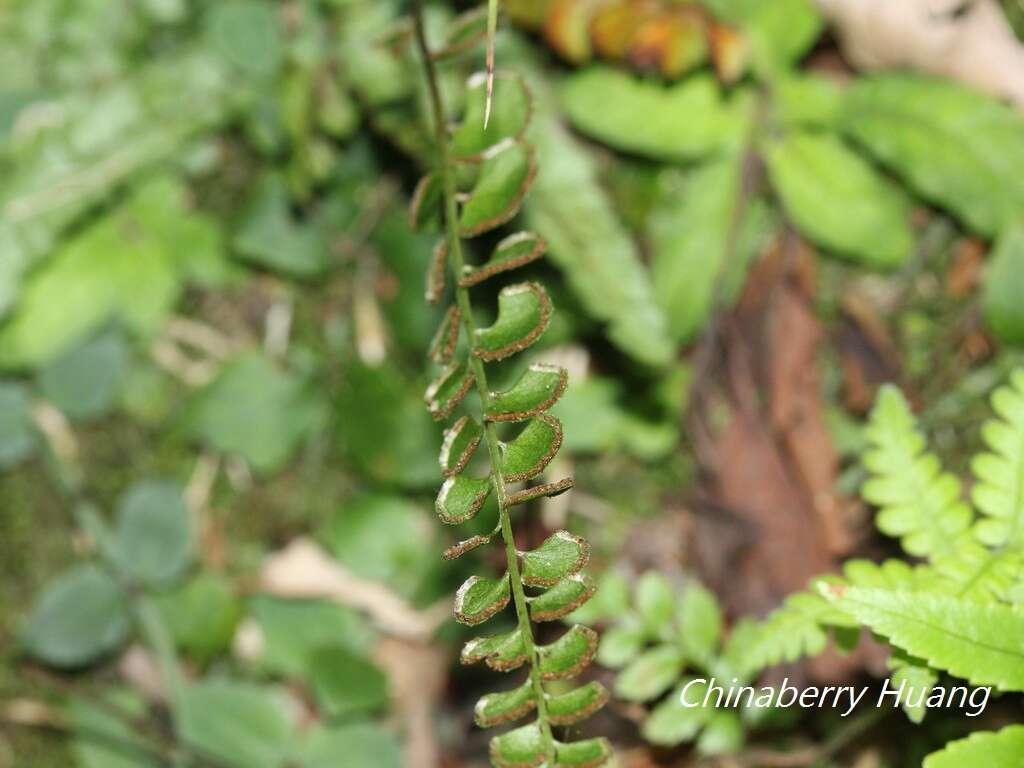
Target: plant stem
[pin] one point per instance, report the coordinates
(456, 263)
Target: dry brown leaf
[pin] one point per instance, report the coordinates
(304, 570)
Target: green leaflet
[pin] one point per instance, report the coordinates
(129, 266)
(839, 200)
(999, 492)
(478, 599)
(520, 748)
(569, 654)
(508, 119)
(505, 176)
(562, 599)
(461, 497)
(561, 555)
(1004, 285)
(153, 539)
(670, 723)
(982, 643)
(460, 442)
(1000, 749)
(513, 251)
(588, 242)
(699, 235)
(954, 146)
(536, 390)
(497, 708)
(444, 393)
(578, 704)
(687, 120)
(524, 311)
(499, 652)
(918, 501)
(583, 754)
(532, 450)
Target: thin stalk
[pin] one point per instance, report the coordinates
(455, 263)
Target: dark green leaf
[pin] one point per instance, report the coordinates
(497, 708)
(479, 598)
(589, 243)
(356, 745)
(153, 540)
(17, 435)
(521, 748)
(202, 615)
(687, 120)
(461, 497)
(953, 145)
(243, 725)
(79, 617)
(524, 311)
(446, 391)
(504, 177)
(562, 599)
(293, 629)
(576, 705)
(270, 236)
(650, 674)
(84, 381)
(562, 554)
(536, 390)
(569, 654)
(345, 683)
(508, 119)
(255, 410)
(500, 652)
(386, 539)
(384, 429)
(246, 34)
(511, 252)
(532, 449)
(1004, 284)
(460, 442)
(839, 200)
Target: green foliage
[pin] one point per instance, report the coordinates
(78, 617)
(492, 194)
(17, 435)
(152, 540)
(1001, 749)
(979, 642)
(255, 410)
(954, 146)
(1002, 309)
(84, 381)
(839, 200)
(130, 266)
(657, 641)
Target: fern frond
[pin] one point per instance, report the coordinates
(918, 501)
(485, 168)
(982, 643)
(999, 749)
(999, 491)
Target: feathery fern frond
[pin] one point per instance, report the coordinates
(918, 501)
(484, 169)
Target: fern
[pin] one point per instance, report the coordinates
(1001, 749)
(918, 501)
(483, 170)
